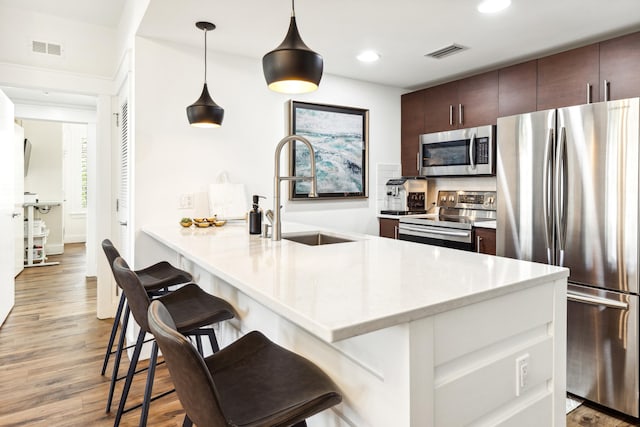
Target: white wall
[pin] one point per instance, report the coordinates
(87, 49)
(172, 158)
(44, 176)
(75, 215)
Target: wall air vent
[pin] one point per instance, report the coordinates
(38, 47)
(54, 49)
(446, 51)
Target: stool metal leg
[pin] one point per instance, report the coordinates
(212, 339)
(149, 387)
(116, 363)
(112, 338)
(199, 344)
(129, 380)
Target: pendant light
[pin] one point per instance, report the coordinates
(292, 67)
(205, 112)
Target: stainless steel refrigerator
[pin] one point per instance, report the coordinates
(567, 182)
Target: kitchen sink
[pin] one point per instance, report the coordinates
(316, 238)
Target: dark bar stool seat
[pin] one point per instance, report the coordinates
(252, 382)
(193, 309)
(156, 279)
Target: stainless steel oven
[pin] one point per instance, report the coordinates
(458, 152)
(452, 227)
(437, 231)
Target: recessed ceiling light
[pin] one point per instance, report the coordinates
(368, 56)
(493, 6)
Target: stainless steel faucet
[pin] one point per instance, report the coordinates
(277, 232)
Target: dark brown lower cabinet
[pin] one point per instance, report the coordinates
(389, 227)
(485, 240)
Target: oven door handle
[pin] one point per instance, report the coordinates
(588, 299)
(434, 231)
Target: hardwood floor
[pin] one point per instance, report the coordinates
(588, 416)
(51, 350)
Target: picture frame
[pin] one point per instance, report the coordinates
(340, 138)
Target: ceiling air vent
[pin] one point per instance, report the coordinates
(54, 49)
(446, 51)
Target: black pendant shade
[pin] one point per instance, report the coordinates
(292, 67)
(205, 112)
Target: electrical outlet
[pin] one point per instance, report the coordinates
(522, 373)
(186, 201)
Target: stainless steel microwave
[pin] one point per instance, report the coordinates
(458, 152)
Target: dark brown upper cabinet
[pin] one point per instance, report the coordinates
(439, 107)
(517, 89)
(620, 68)
(462, 103)
(569, 78)
(478, 100)
(412, 126)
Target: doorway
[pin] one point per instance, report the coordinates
(61, 129)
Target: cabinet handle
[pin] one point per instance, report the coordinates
(478, 242)
(460, 114)
(588, 93)
(395, 232)
(606, 90)
(450, 115)
(418, 162)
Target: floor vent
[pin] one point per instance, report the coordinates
(446, 51)
(46, 48)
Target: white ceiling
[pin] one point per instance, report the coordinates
(98, 12)
(402, 31)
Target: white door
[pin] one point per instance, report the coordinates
(7, 178)
(124, 195)
(18, 212)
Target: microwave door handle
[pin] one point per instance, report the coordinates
(472, 151)
(547, 179)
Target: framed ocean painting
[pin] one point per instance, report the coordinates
(340, 139)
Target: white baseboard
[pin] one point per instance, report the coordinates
(75, 238)
(55, 249)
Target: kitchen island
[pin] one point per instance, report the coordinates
(414, 335)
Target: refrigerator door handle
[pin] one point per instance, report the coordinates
(547, 179)
(560, 188)
(472, 157)
(589, 299)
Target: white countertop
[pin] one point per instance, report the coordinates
(342, 290)
(485, 224)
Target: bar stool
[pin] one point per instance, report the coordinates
(155, 279)
(190, 306)
(251, 382)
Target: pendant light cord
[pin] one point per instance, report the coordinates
(205, 56)
(293, 8)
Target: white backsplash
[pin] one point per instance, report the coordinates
(484, 183)
(385, 172)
